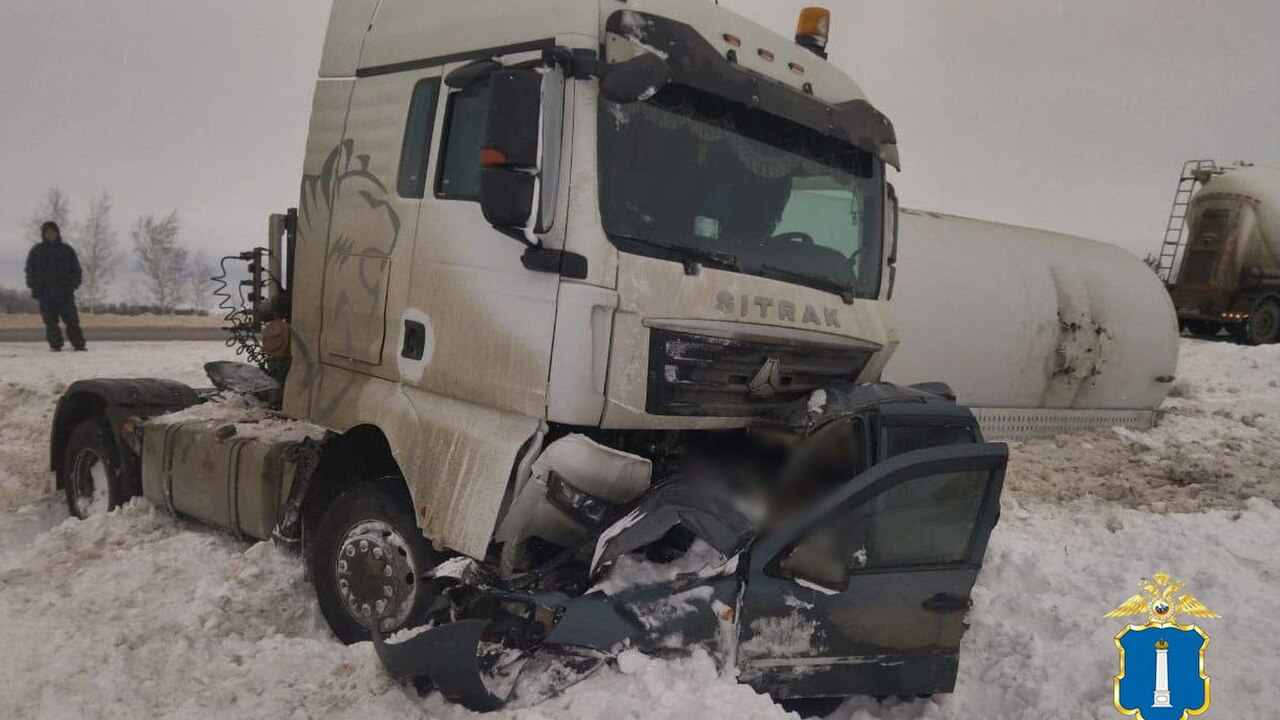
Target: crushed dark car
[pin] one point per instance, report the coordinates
(849, 572)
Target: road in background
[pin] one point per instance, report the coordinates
(122, 334)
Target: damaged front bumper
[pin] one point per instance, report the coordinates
(863, 590)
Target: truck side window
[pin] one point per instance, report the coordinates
(459, 176)
(926, 521)
(417, 139)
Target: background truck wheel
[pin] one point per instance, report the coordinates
(367, 562)
(1263, 326)
(91, 470)
(1203, 328)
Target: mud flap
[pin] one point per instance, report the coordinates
(448, 657)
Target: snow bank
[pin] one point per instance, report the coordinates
(137, 614)
(1216, 446)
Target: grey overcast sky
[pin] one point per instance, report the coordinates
(1071, 115)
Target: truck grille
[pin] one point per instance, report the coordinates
(694, 375)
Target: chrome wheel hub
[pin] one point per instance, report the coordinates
(376, 576)
(89, 484)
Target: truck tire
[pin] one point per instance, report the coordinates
(91, 470)
(1263, 326)
(367, 562)
(1203, 328)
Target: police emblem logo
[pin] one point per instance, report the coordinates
(1162, 662)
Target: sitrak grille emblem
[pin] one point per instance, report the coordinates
(767, 381)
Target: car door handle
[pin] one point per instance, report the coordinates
(943, 603)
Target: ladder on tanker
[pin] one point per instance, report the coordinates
(1194, 174)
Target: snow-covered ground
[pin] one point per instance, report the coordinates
(137, 614)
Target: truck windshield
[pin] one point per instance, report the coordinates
(694, 177)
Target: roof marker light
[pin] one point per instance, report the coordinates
(766, 54)
(814, 29)
(733, 40)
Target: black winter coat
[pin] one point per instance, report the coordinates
(53, 270)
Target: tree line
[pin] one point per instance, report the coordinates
(171, 277)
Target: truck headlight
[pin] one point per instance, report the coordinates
(582, 506)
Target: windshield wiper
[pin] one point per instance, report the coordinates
(844, 291)
(691, 257)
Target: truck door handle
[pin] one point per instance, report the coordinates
(943, 603)
(415, 340)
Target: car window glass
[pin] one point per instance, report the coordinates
(909, 438)
(920, 522)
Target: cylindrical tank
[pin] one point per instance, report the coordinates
(1039, 332)
(1235, 230)
(1260, 187)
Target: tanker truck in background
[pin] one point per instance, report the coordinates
(1221, 252)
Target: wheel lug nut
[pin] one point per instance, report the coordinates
(364, 546)
(381, 605)
(377, 553)
(365, 609)
(386, 570)
(386, 590)
(342, 566)
(350, 551)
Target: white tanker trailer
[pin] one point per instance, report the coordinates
(1040, 333)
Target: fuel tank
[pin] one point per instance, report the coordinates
(1040, 333)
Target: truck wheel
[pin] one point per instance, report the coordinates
(91, 470)
(1263, 326)
(367, 562)
(1204, 328)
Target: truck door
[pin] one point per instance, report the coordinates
(487, 320)
(867, 592)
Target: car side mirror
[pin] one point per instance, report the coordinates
(520, 157)
(639, 78)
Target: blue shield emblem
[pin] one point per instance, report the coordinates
(1162, 672)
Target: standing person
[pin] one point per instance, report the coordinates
(53, 274)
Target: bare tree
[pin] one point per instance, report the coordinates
(56, 207)
(161, 259)
(99, 257)
(199, 285)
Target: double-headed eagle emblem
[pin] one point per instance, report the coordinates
(1157, 602)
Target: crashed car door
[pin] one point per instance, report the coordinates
(867, 592)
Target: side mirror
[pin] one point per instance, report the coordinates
(639, 78)
(892, 217)
(509, 155)
(520, 157)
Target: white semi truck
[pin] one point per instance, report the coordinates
(552, 261)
